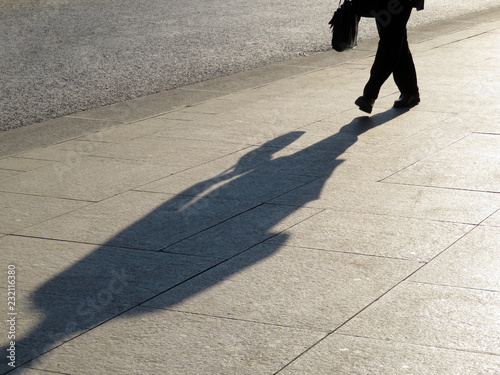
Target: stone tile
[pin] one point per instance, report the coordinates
(359, 167)
(148, 221)
(214, 128)
(149, 341)
(355, 141)
(216, 106)
(250, 79)
(387, 236)
(470, 263)
(421, 144)
(485, 81)
(39, 330)
(257, 120)
(472, 163)
(244, 231)
(30, 371)
(92, 272)
(18, 140)
(84, 178)
(207, 177)
(173, 153)
(288, 286)
(438, 83)
(396, 200)
(286, 112)
(22, 164)
(382, 128)
(200, 179)
(468, 103)
(69, 152)
(474, 122)
(482, 41)
(5, 174)
(254, 173)
(125, 132)
(147, 106)
(434, 316)
(65, 288)
(328, 59)
(493, 220)
(251, 185)
(344, 355)
(447, 40)
(22, 211)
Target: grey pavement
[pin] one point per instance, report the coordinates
(260, 224)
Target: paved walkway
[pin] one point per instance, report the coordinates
(266, 227)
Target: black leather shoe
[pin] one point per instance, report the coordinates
(407, 100)
(365, 104)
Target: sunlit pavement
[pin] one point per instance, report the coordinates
(261, 224)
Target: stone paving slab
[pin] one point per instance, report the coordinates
(494, 220)
(289, 286)
(140, 220)
(22, 211)
(400, 200)
(29, 371)
(18, 164)
(205, 178)
(84, 178)
(146, 341)
(66, 288)
(433, 316)
(267, 224)
(468, 263)
(42, 330)
(48, 133)
(254, 186)
(4, 174)
(385, 236)
(474, 122)
(127, 132)
(244, 231)
(82, 270)
(175, 154)
(472, 163)
(345, 355)
(147, 106)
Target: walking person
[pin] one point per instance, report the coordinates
(393, 54)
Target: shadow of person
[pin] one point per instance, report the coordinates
(190, 234)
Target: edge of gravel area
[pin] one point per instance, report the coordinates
(57, 130)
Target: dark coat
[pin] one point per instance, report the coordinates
(367, 8)
(419, 4)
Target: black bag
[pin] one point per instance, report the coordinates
(344, 25)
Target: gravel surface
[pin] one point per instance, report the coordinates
(62, 56)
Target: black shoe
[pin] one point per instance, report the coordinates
(407, 100)
(365, 104)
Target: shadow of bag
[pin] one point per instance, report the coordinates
(344, 25)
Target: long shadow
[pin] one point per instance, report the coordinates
(212, 221)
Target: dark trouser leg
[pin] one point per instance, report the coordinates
(404, 72)
(393, 54)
